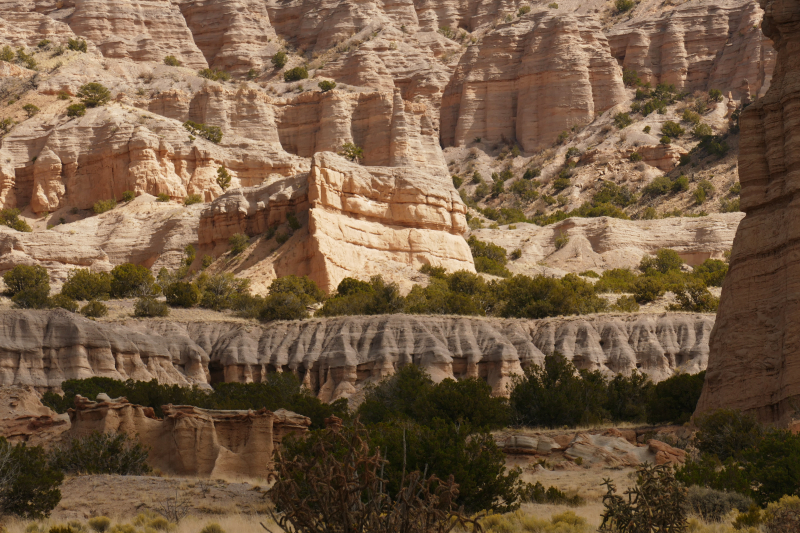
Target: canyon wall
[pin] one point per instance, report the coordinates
(754, 363)
(336, 357)
(190, 441)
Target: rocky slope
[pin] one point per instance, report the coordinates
(754, 362)
(416, 85)
(336, 357)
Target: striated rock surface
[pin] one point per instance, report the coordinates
(23, 418)
(190, 441)
(554, 72)
(360, 221)
(335, 357)
(755, 361)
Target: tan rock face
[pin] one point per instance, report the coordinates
(335, 358)
(555, 72)
(754, 363)
(358, 221)
(23, 418)
(698, 47)
(191, 441)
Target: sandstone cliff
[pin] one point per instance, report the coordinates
(754, 363)
(190, 441)
(336, 357)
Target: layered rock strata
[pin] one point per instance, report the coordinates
(190, 441)
(755, 360)
(336, 357)
(23, 418)
(360, 221)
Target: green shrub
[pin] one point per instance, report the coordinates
(279, 59)
(238, 243)
(680, 184)
(635, 157)
(665, 261)
(150, 307)
(82, 284)
(457, 181)
(101, 206)
(713, 505)
(352, 152)
(730, 206)
(561, 240)
(623, 6)
(536, 493)
(162, 197)
(99, 524)
(193, 199)
(523, 10)
(715, 95)
(665, 140)
(648, 289)
(736, 188)
(489, 258)
(211, 133)
(283, 306)
(25, 278)
(525, 190)
(561, 183)
(381, 298)
(701, 131)
(10, 218)
(129, 280)
(76, 110)
(223, 178)
(672, 129)
(128, 196)
(622, 120)
(29, 486)
(540, 297)
(102, 453)
(712, 272)
(626, 304)
(326, 85)
(182, 294)
(221, 290)
(691, 117)
(77, 45)
(631, 78)
(214, 74)
(556, 394)
(656, 503)
(94, 309)
(300, 286)
(726, 433)
(60, 301)
(294, 224)
(295, 74)
(30, 110)
(611, 193)
(94, 94)
(172, 61)
(675, 399)
(206, 262)
(7, 54)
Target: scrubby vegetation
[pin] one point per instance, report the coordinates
(214, 74)
(101, 453)
(29, 485)
(10, 218)
(295, 74)
(212, 133)
(94, 94)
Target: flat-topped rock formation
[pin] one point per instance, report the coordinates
(190, 441)
(336, 357)
(754, 363)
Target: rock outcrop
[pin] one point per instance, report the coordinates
(336, 357)
(23, 418)
(190, 441)
(360, 221)
(755, 361)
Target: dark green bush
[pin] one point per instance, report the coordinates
(29, 486)
(616, 280)
(193, 199)
(295, 74)
(94, 309)
(283, 306)
(172, 61)
(26, 277)
(94, 94)
(101, 206)
(162, 197)
(221, 290)
(382, 298)
(10, 218)
(712, 505)
(300, 286)
(622, 120)
(695, 298)
(352, 152)
(626, 397)
(182, 294)
(212, 133)
(631, 78)
(33, 298)
(659, 186)
(540, 297)
(623, 6)
(128, 196)
(675, 399)
(715, 95)
(238, 243)
(60, 301)
(326, 85)
(726, 433)
(101, 453)
(279, 59)
(672, 129)
(129, 280)
(76, 110)
(83, 284)
(665, 261)
(555, 395)
(214, 74)
(77, 45)
(536, 493)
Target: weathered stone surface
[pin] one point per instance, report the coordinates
(755, 360)
(335, 357)
(555, 72)
(23, 418)
(191, 441)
